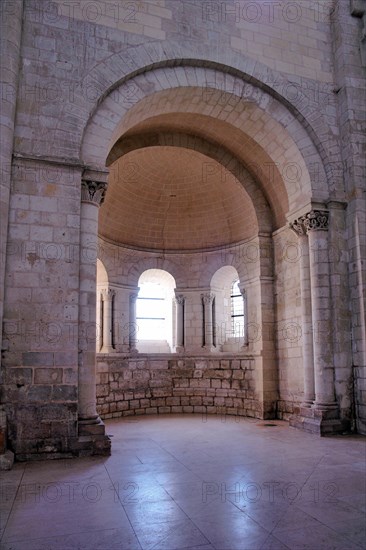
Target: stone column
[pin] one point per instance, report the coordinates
(180, 300)
(321, 416)
(133, 334)
(245, 312)
(92, 195)
(107, 297)
(207, 304)
(306, 320)
(316, 224)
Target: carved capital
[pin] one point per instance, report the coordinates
(108, 294)
(180, 298)
(93, 191)
(207, 298)
(316, 220)
(298, 226)
(242, 290)
(133, 297)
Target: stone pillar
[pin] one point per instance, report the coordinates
(133, 334)
(323, 416)
(316, 223)
(180, 300)
(107, 297)
(306, 318)
(92, 195)
(245, 312)
(208, 328)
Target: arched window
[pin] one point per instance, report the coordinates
(154, 312)
(151, 314)
(230, 310)
(237, 311)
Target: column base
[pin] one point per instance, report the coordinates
(307, 404)
(317, 421)
(210, 349)
(92, 439)
(91, 427)
(107, 349)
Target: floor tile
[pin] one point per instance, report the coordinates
(319, 538)
(170, 535)
(186, 483)
(108, 539)
(150, 513)
(272, 543)
(235, 533)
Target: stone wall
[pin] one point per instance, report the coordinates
(194, 274)
(128, 386)
(39, 373)
(78, 74)
(289, 333)
(349, 65)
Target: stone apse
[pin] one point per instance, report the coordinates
(199, 165)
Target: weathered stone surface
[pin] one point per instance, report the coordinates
(255, 128)
(167, 390)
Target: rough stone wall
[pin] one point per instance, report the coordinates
(167, 384)
(39, 371)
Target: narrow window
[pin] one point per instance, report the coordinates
(151, 312)
(237, 311)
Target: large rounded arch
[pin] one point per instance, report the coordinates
(104, 127)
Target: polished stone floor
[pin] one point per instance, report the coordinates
(192, 482)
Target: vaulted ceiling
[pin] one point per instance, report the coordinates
(186, 180)
(168, 197)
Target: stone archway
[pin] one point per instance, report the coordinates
(153, 95)
(178, 118)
